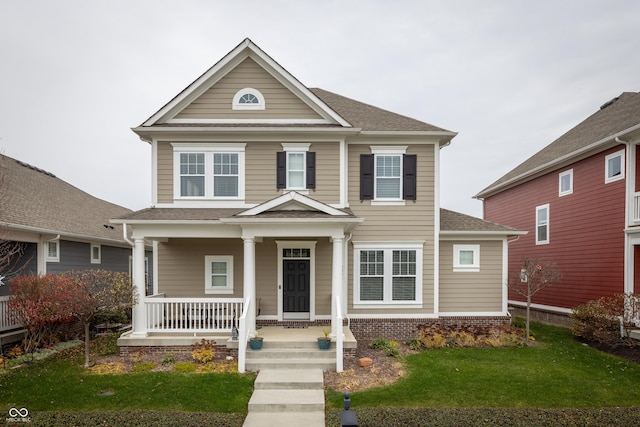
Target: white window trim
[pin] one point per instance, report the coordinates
(99, 259)
(49, 258)
(561, 175)
(387, 151)
(388, 248)
(208, 288)
(208, 149)
(538, 209)
(470, 268)
(236, 105)
(607, 178)
(296, 148)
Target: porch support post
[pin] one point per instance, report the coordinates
(140, 309)
(336, 282)
(250, 280)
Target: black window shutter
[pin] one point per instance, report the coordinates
(311, 170)
(281, 169)
(366, 176)
(409, 167)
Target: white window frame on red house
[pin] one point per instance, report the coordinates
(612, 175)
(565, 183)
(542, 223)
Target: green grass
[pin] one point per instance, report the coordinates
(556, 372)
(60, 383)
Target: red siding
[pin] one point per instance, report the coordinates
(586, 231)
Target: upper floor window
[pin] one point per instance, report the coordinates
(96, 254)
(248, 99)
(296, 167)
(614, 167)
(208, 171)
(565, 183)
(542, 224)
(388, 175)
(466, 258)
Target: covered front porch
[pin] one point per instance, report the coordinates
(224, 272)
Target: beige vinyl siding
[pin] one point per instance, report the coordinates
(181, 266)
(472, 291)
(216, 102)
(261, 171)
(165, 172)
(413, 221)
(267, 277)
(324, 269)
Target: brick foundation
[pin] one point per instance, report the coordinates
(221, 351)
(405, 329)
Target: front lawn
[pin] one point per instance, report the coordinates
(556, 372)
(60, 383)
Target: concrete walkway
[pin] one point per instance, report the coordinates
(287, 397)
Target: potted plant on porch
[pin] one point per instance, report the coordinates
(255, 342)
(324, 342)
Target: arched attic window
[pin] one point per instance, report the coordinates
(248, 99)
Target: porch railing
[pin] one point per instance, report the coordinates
(192, 314)
(7, 321)
(636, 207)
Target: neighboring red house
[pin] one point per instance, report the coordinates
(579, 200)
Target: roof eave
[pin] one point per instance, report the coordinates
(489, 191)
(492, 233)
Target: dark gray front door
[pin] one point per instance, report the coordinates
(296, 292)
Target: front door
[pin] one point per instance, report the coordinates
(296, 291)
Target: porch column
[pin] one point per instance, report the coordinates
(140, 309)
(336, 282)
(250, 280)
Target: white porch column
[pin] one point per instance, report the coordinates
(140, 309)
(250, 280)
(336, 282)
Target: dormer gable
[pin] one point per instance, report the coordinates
(292, 201)
(246, 87)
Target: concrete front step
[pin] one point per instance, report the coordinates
(288, 364)
(280, 419)
(290, 355)
(291, 379)
(286, 401)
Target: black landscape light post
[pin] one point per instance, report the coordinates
(348, 417)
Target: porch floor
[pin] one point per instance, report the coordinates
(269, 333)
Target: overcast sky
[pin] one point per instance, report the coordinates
(509, 76)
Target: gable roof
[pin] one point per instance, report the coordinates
(614, 119)
(336, 112)
(458, 223)
(246, 49)
(35, 200)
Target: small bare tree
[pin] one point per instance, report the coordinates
(535, 275)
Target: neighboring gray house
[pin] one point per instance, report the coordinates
(60, 227)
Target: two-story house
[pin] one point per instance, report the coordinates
(279, 205)
(579, 198)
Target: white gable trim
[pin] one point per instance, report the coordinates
(246, 49)
(288, 198)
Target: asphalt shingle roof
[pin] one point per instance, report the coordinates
(38, 200)
(618, 115)
(455, 221)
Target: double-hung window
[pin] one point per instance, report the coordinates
(388, 274)
(53, 251)
(96, 254)
(218, 274)
(296, 167)
(388, 175)
(208, 171)
(542, 224)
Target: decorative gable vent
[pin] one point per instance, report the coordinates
(248, 99)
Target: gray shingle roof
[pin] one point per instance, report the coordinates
(37, 200)
(455, 221)
(616, 116)
(212, 214)
(370, 118)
